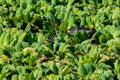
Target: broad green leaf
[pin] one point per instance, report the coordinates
(64, 24)
(53, 77)
(30, 37)
(14, 42)
(81, 70)
(109, 74)
(37, 46)
(21, 70)
(70, 3)
(84, 35)
(109, 36)
(89, 68)
(116, 23)
(118, 2)
(1, 51)
(108, 9)
(68, 77)
(83, 21)
(1, 31)
(17, 55)
(70, 21)
(88, 20)
(110, 29)
(19, 13)
(29, 76)
(3, 9)
(104, 2)
(23, 4)
(5, 39)
(20, 77)
(118, 76)
(9, 50)
(53, 67)
(2, 75)
(102, 76)
(40, 37)
(66, 70)
(102, 38)
(21, 37)
(116, 13)
(15, 77)
(94, 54)
(63, 47)
(117, 66)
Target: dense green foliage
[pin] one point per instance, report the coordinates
(27, 51)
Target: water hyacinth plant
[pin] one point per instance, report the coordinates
(59, 40)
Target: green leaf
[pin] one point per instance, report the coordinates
(30, 38)
(23, 4)
(109, 74)
(102, 76)
(40, 37)
(1, 51)
(15, 77)
(102, 38)
(83, 21)
(60, 12)
(14, 42)
(117, 66)
(37, 46)
(29, 77)
(67, 77)
(84, 35)
(118, 76)
(116, 23)
(1, 31)
(116, 13)
(21, 37)
(53, 67)
(28, 27)
(94, 54)
(70, 3)
(81, 70)
(88, 20)
(9, 50)
(19, 13)
(5, 39)
(21, 77)
(17, 55)
(89, 68)
(66, 70)
(108, 36)
(71, 20)
(110, 29)
(20, 45)
(53, 77)
(64, 24)
(63, 47)
(21, 70)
